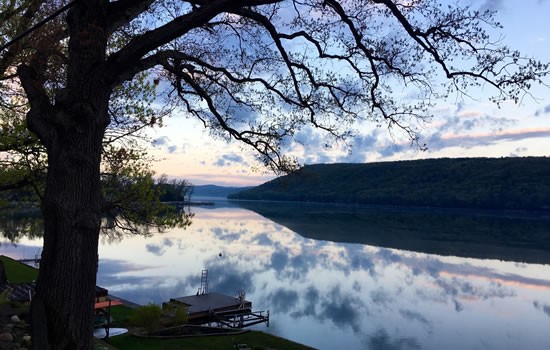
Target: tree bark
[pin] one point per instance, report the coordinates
(72, 129)
(71, 211)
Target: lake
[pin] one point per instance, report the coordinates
(354, 278)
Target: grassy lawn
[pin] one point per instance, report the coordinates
(121, 315)
(18, 272)
(255, 340)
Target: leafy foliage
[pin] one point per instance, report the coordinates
(146, 316)
(177, 314)
(490, 183)
(21, 220)
(131, 204)
(134, 201)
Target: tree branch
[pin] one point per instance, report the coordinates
(154, 39)
(151, 40)
(122, 12)
(39, 103)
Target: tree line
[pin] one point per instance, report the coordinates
(484, 183)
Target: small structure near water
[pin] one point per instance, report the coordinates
(209, 307)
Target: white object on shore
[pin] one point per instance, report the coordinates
(101, 333)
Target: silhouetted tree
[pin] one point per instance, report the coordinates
(251, 70)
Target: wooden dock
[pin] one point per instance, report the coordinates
(202, 306)
(228, 311)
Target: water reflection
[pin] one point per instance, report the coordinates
(513, 236)
(16, 223)
(333, 295)
(159, 249)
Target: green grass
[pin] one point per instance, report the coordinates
(121, 314)
(255, 340)
(18, 272)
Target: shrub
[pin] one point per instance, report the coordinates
(181, 316)
(147, 316)
(5, 296)
(175, 313)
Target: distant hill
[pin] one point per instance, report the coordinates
(488, 183)
(216, 191)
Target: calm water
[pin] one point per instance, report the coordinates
(345, 295)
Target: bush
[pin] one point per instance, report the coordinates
(181, 316)
(176, 314)
(5, 296)
(147, 316)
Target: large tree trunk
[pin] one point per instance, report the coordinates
(72, 130)
(62, 308)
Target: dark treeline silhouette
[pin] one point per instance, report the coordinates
(484, 183)
(503, 235)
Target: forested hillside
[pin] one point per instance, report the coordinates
(488, 183)
(216, 191)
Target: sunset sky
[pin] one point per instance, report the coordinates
(462, 127)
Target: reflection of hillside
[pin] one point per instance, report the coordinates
(525, 239)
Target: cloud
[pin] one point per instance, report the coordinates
(112, 273)
(233, 158)
(362, 262)
(517, 152)
(543, 307)
(168, 242)
(161, 141)
(227, 160)
(381, 340)
(113, 267)
(440, 141)
(392, 149)
(224, 234)
(381, 297)
(468, 120)
(283, 300)
(263, 239)
(458, 306)
(159, 249)
(225, 278)
(155, 249)
(414, 316)
(279, 261)
(492, 5)
(343, 309)
(360, 147)
(540, 112)
(316, 145)
(311, 299)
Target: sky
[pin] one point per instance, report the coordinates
(461, 127)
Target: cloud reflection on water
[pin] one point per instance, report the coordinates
(381, 340)
(543, 307)
(329, 295)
